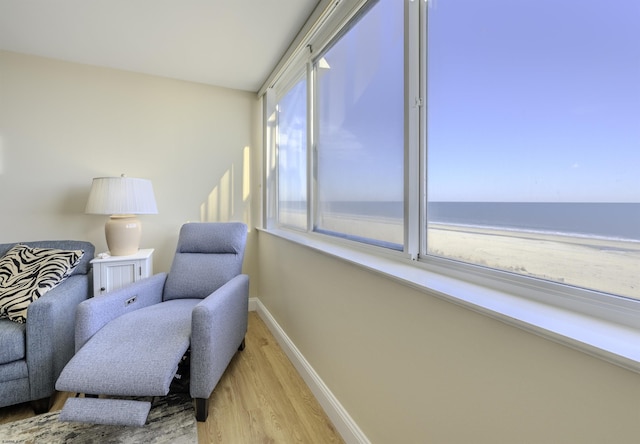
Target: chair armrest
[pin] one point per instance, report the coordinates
(50, 332)
(95, 313)
(218, 327)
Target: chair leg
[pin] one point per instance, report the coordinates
(40, 406)
(242, 344)
(202, 409)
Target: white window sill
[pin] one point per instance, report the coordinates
(608, 340)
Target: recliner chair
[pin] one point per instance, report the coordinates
(129, 342)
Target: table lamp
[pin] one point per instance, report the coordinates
(122, 198)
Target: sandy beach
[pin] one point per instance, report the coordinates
(607, 265)
(611, 266)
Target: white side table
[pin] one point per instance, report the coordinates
(113, 272)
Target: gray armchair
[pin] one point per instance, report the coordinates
(130, 341)
(33, 354)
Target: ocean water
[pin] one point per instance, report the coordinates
(606, 220)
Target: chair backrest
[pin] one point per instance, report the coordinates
(208, 255)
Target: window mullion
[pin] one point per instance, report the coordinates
(422, 148)
(413, 104)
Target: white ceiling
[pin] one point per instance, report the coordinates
(229, 43)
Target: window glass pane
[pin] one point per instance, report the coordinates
(360, 138)
(292, 157)
(271, 206)
(534, 138)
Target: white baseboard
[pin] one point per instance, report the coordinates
(342, 421)
(253, 304)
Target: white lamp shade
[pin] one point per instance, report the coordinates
(121, 195)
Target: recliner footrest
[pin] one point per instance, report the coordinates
(106, 411)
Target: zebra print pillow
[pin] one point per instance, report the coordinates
(27, 273)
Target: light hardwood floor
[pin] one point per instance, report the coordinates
(260, 399)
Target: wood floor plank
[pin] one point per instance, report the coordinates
(262, 399)
(259, 399)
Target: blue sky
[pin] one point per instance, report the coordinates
(534, 100)
(528, 100)
(360, 104)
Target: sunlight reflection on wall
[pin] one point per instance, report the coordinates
(1, 157)
(221, 204)
(246, 183)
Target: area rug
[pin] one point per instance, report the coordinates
(171, 420)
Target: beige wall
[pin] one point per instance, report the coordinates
(412, 368)
(61, 124)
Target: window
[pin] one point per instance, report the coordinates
(525, 158)
(292, 156)
(534, 139)
(360, 135)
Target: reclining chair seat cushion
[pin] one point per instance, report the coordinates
(136, 354)
(12, 339)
